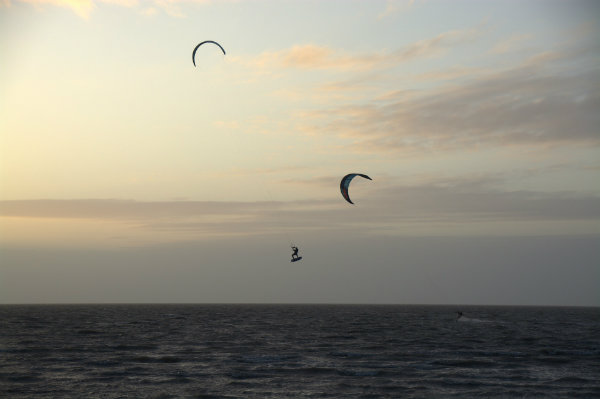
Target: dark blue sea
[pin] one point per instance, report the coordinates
(298, 351)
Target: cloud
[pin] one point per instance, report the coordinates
(452, 73)
(84, 8)
(121, 209)
(433, 46)
(387, 208)
(393, 7)
(509, 44)
(543, 101)
(319, 57)
(226, 124)
(172, 7)
(474, 199)
(308, 56)
(122, 3)
(311, 56)
(150, 11)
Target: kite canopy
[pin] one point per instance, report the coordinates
(200, 44)
(345, 184)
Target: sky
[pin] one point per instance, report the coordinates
(129, 175)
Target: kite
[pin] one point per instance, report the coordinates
(206, 41)
(345, 184)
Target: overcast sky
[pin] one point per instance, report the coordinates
(129, 175)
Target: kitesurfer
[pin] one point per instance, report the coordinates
(295, 254)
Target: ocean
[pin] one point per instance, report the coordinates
(298, 351)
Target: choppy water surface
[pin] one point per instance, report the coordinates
(297, 351)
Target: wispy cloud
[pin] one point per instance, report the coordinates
(443, 41)
(319, 57)
(173, 7)
(84, 8)
(389, 207)
(452, 73)
(393, 7)
(509, 44)
(226, 124)
(311, 56)
(537, 102)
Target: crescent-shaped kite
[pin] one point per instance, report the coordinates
(345, 183)
(200, 44)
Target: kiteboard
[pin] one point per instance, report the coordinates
(296, 259)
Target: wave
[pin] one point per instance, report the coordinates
(152, 359)
(358, 373)
(573, 380)
(267, 359)
(470, 320)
